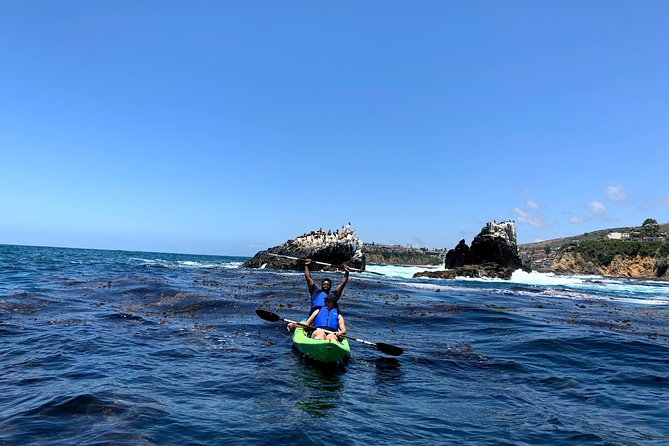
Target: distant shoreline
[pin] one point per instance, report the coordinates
(405, 265)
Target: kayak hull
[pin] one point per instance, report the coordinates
(327, 352)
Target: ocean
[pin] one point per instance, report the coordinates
(135, 348)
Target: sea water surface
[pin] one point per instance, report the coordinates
(135, 348)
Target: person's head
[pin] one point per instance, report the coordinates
(331, 301)
(326, 285)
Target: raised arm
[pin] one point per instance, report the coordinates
(340, 287)
(307, 275)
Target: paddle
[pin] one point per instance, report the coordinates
(381, 346)
(323, 263)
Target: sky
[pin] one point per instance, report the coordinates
(228, 127)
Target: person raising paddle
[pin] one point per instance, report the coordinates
(318, 294)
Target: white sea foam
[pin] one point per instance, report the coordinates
(403, 272)
(592, 287)
(593, 283)
(578, 287)
(536, 278)
(187, 263)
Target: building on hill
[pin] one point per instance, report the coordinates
(637, 236)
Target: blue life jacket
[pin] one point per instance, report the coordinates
(327, 318)
(317, 297)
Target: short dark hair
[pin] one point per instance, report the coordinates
(326, 280)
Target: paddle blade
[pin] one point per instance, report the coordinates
(389, 349)
(267, 315)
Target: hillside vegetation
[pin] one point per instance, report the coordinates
(400, 255)
(602, 252)
(595, 248)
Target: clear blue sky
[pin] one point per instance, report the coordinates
(228, 127)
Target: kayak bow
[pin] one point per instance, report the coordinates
(321, 350)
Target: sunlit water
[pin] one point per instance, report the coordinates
(108, 347)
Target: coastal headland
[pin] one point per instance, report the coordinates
(628, 252)
(636, 252)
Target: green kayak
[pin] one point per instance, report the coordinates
(320, 350)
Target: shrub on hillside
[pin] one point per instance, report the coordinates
(602, 252)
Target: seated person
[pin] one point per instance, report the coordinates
(326, 317)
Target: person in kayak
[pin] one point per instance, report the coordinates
(317, 293)
(328, 323)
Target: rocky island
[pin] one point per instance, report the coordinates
(339, 247)
(493, 253)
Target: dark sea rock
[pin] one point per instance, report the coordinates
(447, 274)
(340, 247)
(457, 256)
(495, 244)
(493, 253)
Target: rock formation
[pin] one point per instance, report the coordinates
(493, 253)
(455, 257)
(495, 244)
(634, 267)
(340, 247)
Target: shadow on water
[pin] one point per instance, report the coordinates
(320, 386)
(388, 371)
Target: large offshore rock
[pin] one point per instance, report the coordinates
(493, 253)
(496, 244)
(340, 247)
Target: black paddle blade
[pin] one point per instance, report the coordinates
(267, 315)
(389, 349)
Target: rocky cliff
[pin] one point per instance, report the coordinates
(493, 253)
(340, 247)
(634, 267)
(597, 253)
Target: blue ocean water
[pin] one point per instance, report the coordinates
(115, 348)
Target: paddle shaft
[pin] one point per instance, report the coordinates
(308, 326)
(313, 261)
(386, 348)
(323, 263)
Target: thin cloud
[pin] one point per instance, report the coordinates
(597, 208)
(524, 217)
(531, 204)
(576, 220)
(616, 193)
